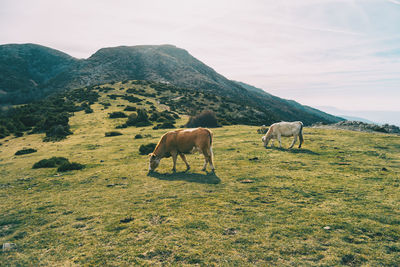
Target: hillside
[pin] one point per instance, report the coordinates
(51, 115)
(164, 63)
(334, 202)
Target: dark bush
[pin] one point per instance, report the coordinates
(132, 120)
(130, 108)
(113, 133)
(146, 149)
(206, 118)
(165, 125)
(25, 151)
(140, 119)
(138, 136)
(51, 120)
(105, 105)
(131, 98)
(86, 107)
(117, 114)
(67, 166)
(122, 126)
(50, 163)
(57, 133)
(88, 110)
(3, 131)
(114, 96)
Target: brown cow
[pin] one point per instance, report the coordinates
(181, 142)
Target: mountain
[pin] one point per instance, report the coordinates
(30, 72)
(26, 70)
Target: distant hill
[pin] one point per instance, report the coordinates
(30, 72)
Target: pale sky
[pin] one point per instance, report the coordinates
(339, 53)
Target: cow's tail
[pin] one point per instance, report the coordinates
(301, 134)
(211, 137)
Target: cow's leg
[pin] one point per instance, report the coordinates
(294, 141)
(279, 139)
(174, 157)
(183, 157)
(273, 142)
(210, 159)
(208, 155)
(301, 139)
(205, 163)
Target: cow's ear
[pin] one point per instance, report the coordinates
(151, 154)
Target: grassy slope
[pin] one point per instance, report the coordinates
(186, 218)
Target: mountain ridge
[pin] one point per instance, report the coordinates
(160, 63)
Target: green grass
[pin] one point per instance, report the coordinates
(114, 213)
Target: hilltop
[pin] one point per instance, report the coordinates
(31, 72)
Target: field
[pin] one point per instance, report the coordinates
(333, 202)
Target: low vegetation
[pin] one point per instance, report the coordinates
(50, 163)
(117, 114)
(70, 166)
(49, 116)
(112, 133)
(25, 151)
(206, 118)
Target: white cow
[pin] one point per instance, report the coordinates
(284, 128)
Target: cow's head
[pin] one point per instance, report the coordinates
(154, 162)
(265, 140)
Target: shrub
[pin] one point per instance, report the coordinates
(18, 134)
(57, 132)
(88, 110)
(86, 107)
(117, 114)
(70, 166)
(206, 118)
(146, 149)
(140, 119)
(3, 131)
(50, 163)
(132, 99)
(138, 136)
(122, 126)
(105, 105)
(130, 108)
(113, 133)
(165, 125)
(25, 151)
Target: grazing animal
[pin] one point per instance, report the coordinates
(284, 128)
(181, 142)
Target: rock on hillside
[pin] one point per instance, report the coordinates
(362, 127)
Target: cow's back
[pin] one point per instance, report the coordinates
(184, 141)
(286, 128)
